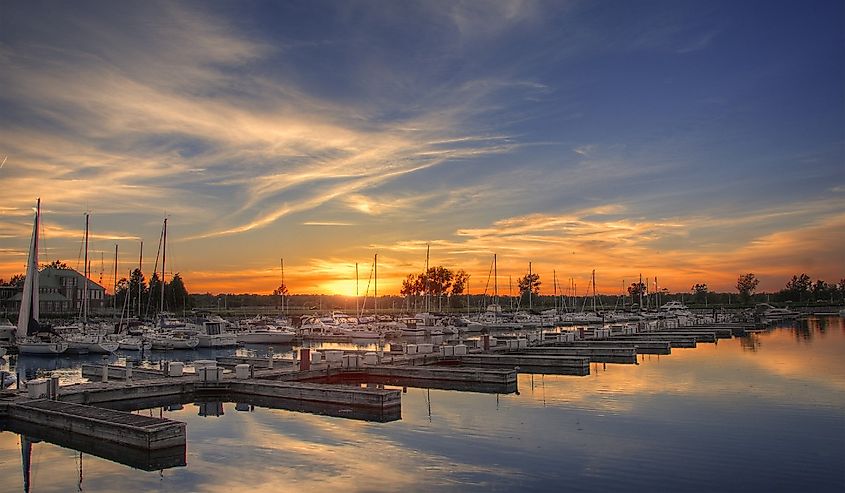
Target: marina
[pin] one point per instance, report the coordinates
(359, 394)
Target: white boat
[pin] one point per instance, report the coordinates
(28, 329)
(266, 335)
(213, 335)
(90, 343)
(164, 341)
(133, 343)
(38, 346)
(770, 312)
(7, 332)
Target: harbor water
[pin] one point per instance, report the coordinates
(764, 412)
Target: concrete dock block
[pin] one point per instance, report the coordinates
(175, 369)
(370, 359)
(242, 371)
(38, 388)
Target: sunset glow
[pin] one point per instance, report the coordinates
(688, 148)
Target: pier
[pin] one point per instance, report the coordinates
(350, 384)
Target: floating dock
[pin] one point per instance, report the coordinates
(597, 354)
(553, 365)
(120, 427)
(642, 346)
(699, 336)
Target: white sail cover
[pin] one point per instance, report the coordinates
(29, 300)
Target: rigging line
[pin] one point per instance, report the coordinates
(367, 291)
(155, 268)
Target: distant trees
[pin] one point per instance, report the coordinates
(436, 282)
(636, 289)
(699, 292)
(57, 264)
(529, 283)
(17, 281)
(802, 288)
(745, 285)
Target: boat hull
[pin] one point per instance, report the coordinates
(266, 338)
(42, 348)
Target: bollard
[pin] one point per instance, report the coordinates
(105, 369)
(485, 342)
(54, 388)
(304, 359)
(128, 370)
(270, 363)
(293, 353)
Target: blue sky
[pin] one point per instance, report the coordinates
(688, 140)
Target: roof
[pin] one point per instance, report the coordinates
(49, 277)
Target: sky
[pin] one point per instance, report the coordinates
(692, 141)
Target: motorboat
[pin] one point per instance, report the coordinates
(38, 346)
(266, 335)
(770, 312)
(134, 343)
(90, 343)
(164, 341)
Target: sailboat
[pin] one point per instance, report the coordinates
(86, 341)
(29, 334)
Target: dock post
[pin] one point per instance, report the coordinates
(105, 369)
(128, 370)
(54, 388)
(293, 353)
(270, 362)
(304, 359)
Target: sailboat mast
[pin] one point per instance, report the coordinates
(357, 299)
(140, 270)
(163, 259)
(375, 284)
(282, 262)
(85, 269)
(427, 251)
(495, 281)
(554, 286)
(114, 290)
(594, 290)
(530, 286)
(640, 289)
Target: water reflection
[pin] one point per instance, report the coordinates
(716, 418)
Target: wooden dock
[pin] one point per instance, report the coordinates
(642, 346)
(120, 427)
(699, 336)
(597, 354)
(553, 365)
(447, 377)
(674, 341)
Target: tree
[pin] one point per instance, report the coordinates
(746, 284)
(798, 288)
(137, 284)
(699, 292)
(17, 280)
(57, 264)
(821, 290)
(529, 283)
(410, 285)
(121, 293)
(154, 293)
(175, 293)
(636, 289)
(459, 283)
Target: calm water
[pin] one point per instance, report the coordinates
(761, 413)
